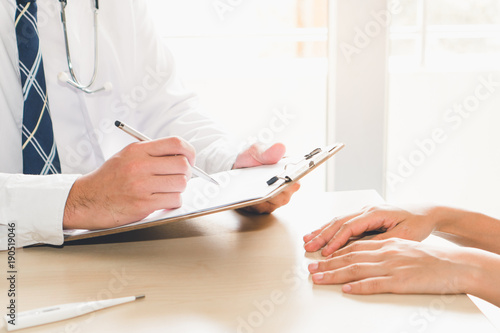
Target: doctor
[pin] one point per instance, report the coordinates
(63, 163)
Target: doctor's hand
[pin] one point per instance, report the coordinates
(257, 155)
(416, 225)
(142, 178)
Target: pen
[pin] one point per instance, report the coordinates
(60, 312)
(141, 137)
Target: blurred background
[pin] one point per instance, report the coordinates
(412, 87)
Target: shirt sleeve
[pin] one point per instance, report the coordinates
(34, 205)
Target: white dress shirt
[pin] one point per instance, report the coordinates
(146, 94)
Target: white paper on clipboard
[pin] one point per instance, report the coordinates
(237, 188)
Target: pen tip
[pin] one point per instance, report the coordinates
(140, 296)
(118, 123)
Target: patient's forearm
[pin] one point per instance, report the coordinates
(484, 276)
(468, 228)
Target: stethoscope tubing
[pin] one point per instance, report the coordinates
(73, 81)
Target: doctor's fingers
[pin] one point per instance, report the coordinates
(271, 205)
(267, 207)
(171, 146)
(271, 155)
(159, 201)
(168, 165)
(320, 237)
(165, 184)
(261, 208)
(284, 197)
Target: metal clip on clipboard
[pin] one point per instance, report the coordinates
(310, 161)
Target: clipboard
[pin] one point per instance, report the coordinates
(271, 181)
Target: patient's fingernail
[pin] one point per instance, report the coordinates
(313, 267)
(318, 277)
(346, 288)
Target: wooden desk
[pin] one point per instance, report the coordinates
(225, 273)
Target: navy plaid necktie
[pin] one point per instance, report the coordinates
(40, 155)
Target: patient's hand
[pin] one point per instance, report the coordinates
(398, 266)
(416, 225)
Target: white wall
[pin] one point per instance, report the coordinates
(462, 167)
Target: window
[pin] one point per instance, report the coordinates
(444, 97)
(446, 34)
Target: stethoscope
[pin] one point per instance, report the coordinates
(73, 81)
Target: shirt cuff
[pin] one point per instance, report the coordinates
(218, 156)
(35, 205)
